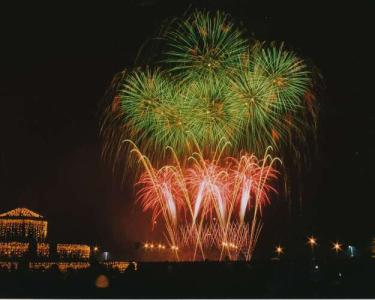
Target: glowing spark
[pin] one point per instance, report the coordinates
(279, 250)
(337, 246)
(312, 241)
(245, 197)
(199, 199)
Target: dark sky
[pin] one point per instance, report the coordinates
(57, 61)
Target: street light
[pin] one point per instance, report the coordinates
(279, 250)
(337, 247)
(312, 241)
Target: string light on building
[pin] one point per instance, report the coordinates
(22, 224)
(21, 229)
(120, 266)
(73, 251)
(62, 266)
(13, 249)
(23, 235)
(43, 250)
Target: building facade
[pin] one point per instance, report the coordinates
(23, 233)
(22, 224)
(24, 241)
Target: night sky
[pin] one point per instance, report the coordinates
(57, 61)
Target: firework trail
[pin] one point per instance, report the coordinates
(209, 205)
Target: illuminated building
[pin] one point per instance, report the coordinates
(42, 250)
(120, 266)
(13, 249)
(62, 266)
(23, 237)
(77, 251)
(22, 224)
(24, 233)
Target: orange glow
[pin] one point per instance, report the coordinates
(21, 212)
(102, 282)
(279, 250)
(115, 103)
(73, 250)
(275, 135)
(312, 241)
(13, 249)
(63, 266)
(22, 223)
(279, 81)
(42, 249)
(309, 98)
(337, 247)
(10, 227)
(9, 265)
(120, 266)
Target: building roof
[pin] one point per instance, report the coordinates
(21, 213)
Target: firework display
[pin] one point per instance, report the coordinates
(198, 120)
(211, 83)
(209, 205)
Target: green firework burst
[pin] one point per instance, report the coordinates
(213, 84)
(203, 45)
(289, 74)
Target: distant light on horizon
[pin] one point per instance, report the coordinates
(279, 250)
(106, 255)
(337, 247)
(312, 241)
